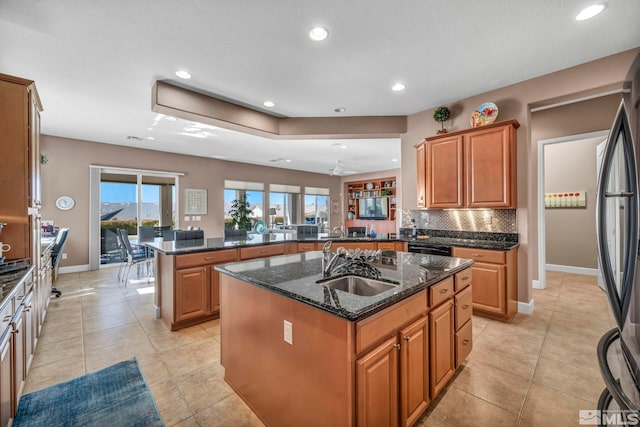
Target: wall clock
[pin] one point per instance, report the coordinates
(65, 203)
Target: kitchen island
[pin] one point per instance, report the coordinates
(187, 286)
(301, 352)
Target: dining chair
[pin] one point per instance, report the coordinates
(134, 257)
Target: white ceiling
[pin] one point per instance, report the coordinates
(95, 62)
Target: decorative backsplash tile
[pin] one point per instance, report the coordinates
(486, 220)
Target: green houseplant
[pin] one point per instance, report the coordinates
(239, 214)
(442, 114)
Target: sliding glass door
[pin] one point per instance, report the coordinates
(131, 200)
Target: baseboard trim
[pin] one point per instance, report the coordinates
(537, 284)
(73, 269)
(570, 269)
(525, 308)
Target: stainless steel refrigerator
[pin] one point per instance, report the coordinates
(617, 239)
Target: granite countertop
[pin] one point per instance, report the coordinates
(295, 276)
(177, 247)
(464, 239)
(466, 243)
(10, 281)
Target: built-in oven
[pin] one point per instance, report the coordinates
(429, 249)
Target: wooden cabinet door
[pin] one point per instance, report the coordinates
(489, 159)
(377, 386)
(191, 293)
(6, 387)
(488, 287)
(441, 347)
(414, 371)
(19, 356)
(445, 173)
(214, 297)
(421, 186)
(29, 330)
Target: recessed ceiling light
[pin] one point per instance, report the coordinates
(394, 160)
(590, 11)
(269, 104)
(339, 109)
(151, 138)
(288, 160)
(183, 74)
(398, 87)
(171, 118)
(318, 33)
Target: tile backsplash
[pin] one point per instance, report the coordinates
(487, 220)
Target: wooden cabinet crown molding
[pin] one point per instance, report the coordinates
(512, 122)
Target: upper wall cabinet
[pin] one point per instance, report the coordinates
(475, 168)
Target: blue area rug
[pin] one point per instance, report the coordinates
(113, 396)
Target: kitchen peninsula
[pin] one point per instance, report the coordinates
(301, 352)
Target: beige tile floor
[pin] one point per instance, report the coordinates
(538, 370)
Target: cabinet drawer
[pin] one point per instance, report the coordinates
(484, 255)
(464, 342)
(381, 325)
(441, 292)
(464, 307)
(262, 251)
(463, 279)
(204, 258)
(387, 246)
(306, 247)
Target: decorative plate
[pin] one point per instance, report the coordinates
(484, 114)
(369, 186)
(261, 227)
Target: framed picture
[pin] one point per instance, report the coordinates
(195, 201)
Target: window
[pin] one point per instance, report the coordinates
(284, 204)
(316, 206)
(254, 194)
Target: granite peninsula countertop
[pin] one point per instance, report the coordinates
(177, 247)
(295, 276)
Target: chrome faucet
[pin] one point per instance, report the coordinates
(338, 230)
(328, 268)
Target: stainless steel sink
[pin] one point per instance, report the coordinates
(357, 285)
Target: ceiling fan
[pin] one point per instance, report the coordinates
(339, 171)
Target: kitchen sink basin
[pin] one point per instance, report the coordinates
(357, 285)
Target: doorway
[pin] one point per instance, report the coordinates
(592, 138)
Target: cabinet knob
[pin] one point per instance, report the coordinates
(477, 255)
(407, 338)
(444, 291)
(465, 342)
(396, 346)
(208, 258)
(464, 307)
(465, 278)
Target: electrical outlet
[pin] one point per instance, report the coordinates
(64, 256)
(288, 332)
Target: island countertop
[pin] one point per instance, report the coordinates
(295, 277)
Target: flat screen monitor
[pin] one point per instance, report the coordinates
(373, 208)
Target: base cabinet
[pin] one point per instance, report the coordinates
(414, 371)
(192, 291)
(377, 386)
(495, 282)
(441, 331)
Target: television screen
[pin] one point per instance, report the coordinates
(373, 208)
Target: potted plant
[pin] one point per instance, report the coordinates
(239, 214)
(442, 114)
